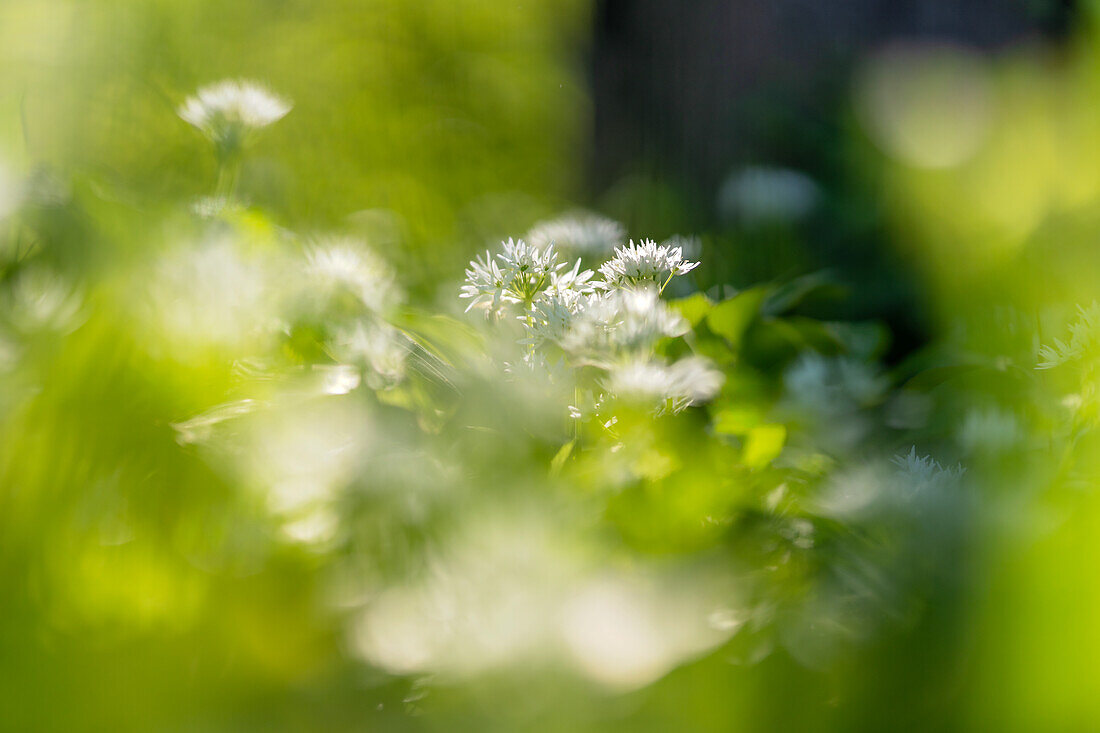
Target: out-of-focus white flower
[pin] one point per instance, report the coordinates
(621, 320)
(379, 347)
(344, 263)
(579, 233)
(690, 247)
(829, 386)
(625, 634)
(924, 472)
(686, 382)
(210, 293)
(302, 455)
(523, 272)
(762, 193)
(990, 429)
(228, 110)
(645, 262)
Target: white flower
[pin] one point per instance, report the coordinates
(552, 315)
(553, 311)
(484, 284)
(924, 472)
(622, 320)
(524, 272)
(581, 233)
(647, 262)
(1084, 335)
(229, 109)
(576, 280)
(345, 264)
(763, 193)
(686, 382)
(381, 348)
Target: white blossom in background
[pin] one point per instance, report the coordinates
(645, 262)
(345, 264)
(921, 473)
(580, 233)
(760, 193)
(690, 247)
(505, 592)
(990, 429)
(229, 110)
(211, 293)
(379, 347)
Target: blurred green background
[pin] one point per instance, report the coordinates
(929, 207)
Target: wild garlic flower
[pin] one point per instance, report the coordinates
(1084, 340)
(580, 233)
(523, 272)
(228, 111)
(921, 473)
(346, 265)
(552, 315)
(671, 387)
(646, 262)
(619, 321)
(575, 280)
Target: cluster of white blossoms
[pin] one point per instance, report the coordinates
(229, 110)
(516, 276)
(646, 262)
(611, 319)
(580, 233)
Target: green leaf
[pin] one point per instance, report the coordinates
(693, 308)
(732, 317)
(792, 293)
(763, 445)
(737, 420)
(562, 456)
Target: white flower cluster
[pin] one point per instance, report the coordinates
(620, 322)
(646, 262)
(524, 271)
(612, 324)
(228, 110)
